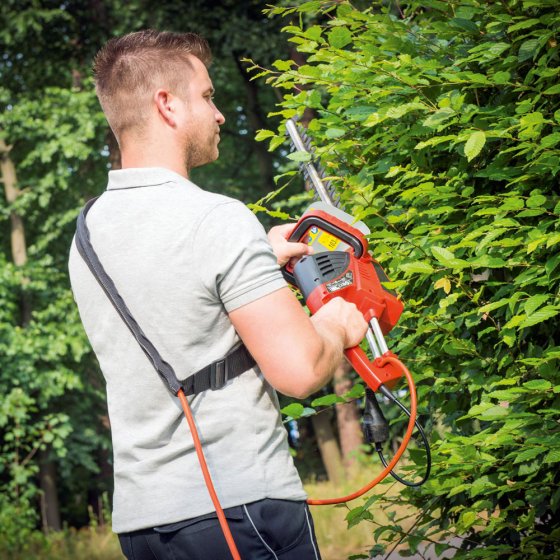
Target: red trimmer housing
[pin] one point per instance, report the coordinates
(342, 267)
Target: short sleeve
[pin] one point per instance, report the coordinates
(234, 259)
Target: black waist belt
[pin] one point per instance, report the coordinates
(213, 376)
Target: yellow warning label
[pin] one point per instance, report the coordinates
(329, 241)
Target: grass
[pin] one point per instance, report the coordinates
(89, 543)
(336, 542)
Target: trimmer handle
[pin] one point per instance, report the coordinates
(373, 372)
(325, 232)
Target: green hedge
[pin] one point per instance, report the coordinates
(440, 123)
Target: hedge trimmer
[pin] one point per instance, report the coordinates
(341, 266)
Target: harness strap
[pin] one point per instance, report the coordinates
(217, 374)
(214, 376)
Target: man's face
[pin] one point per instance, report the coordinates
(203, 120)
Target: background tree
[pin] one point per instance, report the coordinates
(55, 149)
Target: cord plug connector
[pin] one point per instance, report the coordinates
(375, 427)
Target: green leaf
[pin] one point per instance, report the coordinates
(440, 116)
(356, 392)
(354, 516)
(515, 321)
(501, 77)
(550, 140)
(295, 410)
(552, 264)
(435, 141)
(440, 548)
(481, 486)
(534, 302)
(554, 90)
(494, 413)
(526, 469)
(539, 316)
(327, 400)
(283, 65)
(528, 50)
(275, 142)
(48, 437)
(314, 32)
(447, 258)
(493, 305)
(538, 385)
(474, 144)
(401, 110)
(264, 134)
(339, 37)
(335, 132)
(528, 454)
(486, 261)
(477, 409)
(300, 156)
(536, 201)
(420, 267)
(468, 519)
(552, 456)
(465, 24)
(523, 24)
(310, 71)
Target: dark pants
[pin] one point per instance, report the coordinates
(263, 530)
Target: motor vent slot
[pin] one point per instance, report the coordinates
(332, 264)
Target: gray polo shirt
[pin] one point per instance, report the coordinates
(181, 258)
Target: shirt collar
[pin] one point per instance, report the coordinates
(136, 177)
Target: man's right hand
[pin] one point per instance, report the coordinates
(344, 317)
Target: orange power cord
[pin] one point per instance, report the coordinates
(198, 447)
(400, 450)
(220, 512)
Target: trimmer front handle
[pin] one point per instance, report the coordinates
(324, 276)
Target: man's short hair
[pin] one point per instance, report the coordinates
(130, 68)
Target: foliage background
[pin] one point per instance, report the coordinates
(55, 451)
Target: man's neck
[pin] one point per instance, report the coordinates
(154, 156)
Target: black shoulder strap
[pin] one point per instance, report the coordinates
(214, 376)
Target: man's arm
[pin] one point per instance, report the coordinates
(297, 354)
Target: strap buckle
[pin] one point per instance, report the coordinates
(218, 374)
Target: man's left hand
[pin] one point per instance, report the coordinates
(286, 250)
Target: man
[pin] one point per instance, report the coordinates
(198, 274)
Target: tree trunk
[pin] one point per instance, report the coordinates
(17, 234)
(348, 418)
(50, 511)
(328, 446)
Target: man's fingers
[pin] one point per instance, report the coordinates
(298, 249)
(305, 250)
(284, 230)
(281, 232)
(286, 251)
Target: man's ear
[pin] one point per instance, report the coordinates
(166, 104)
